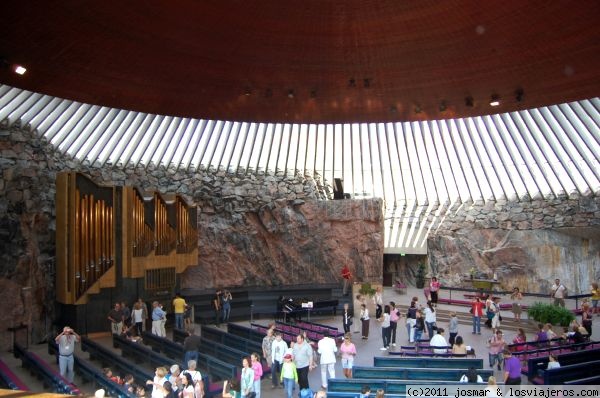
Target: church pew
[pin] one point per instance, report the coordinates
(590, 381)
(90, 373)
(246, 332)
(228, 354)
(44, 371)
(10, 380)
(237, 342)
(534, 365)
(456, 363)
(109, 358)
(213, 367)
(395, 387)
(447, 375)
(567, 373)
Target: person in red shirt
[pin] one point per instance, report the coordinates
(346, 275)
(477, 311)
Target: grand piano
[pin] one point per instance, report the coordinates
(295, 308)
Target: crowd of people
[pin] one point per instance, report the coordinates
(290, 364)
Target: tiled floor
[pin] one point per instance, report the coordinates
(367, 349)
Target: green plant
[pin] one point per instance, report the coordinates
(548, 313)
(420, 277)
(367, 290)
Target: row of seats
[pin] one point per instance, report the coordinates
(536, 367)
(40, 368)
(9, 379)
(316, 329)
(435, 363)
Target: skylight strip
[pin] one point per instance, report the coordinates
(222, 145)
(21, 100)
(420, 163)
(59, 118)
(146, 157)
(43, 105)
(90, 134)
(262, 137)
(199, 132)
(185, 158)
(236, 150)
(107, 151)
(249, 149)
(101, 134)
(210, 143)
(454, 165)
(172, 147)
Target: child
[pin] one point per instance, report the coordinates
(365, 391)
(289, 375)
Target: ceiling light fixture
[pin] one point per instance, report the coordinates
(469, 101)
(443, 106)
(247, 91)
(290, 93)
(418, 109)
(20, 70)
(352, 82)
(313, 93)
(495, 101)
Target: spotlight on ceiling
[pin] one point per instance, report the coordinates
(313, 93)
(268, 93)
(495, 100)
(19, 69)
(367, 82)
(469, 101)
(247, 91)
(443, 106)
(352, 82)
(519, 94)
(290, 93)
(418, 109)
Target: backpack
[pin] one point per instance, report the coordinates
(306, 393)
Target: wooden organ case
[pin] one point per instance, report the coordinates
(120, 238)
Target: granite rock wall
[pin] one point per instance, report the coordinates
(254, 228)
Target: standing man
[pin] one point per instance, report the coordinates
(303, 357)
(115, 316)
(278, 350)
(558, 293)
(357, 307)
(179, 305)
(346, 276)
(512, 369)
(158, 315)
(327, 349)
(191, 345)
(144, 312)
(66, 345)
(346, 318)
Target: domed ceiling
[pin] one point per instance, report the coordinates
(305, 61)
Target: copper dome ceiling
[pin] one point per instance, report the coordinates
(305, 61)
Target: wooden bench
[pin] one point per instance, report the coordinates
(407, 374)
(213, 367)
(567, 373)
(313, 327)
(109, 358)
(94, 375)
(534, 365)
(456, 363)
(11, 380)
(40, 368)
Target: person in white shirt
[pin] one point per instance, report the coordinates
(439, 340)
(278, 350)
(558, 293)
(327, 349)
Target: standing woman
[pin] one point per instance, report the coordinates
(187, 384)
(258, 372)
(348, 351)
(434, 287)
(226, 302)
(216, 304)
(138, 317)
(267, 345)
(385, 328)
(346, 318)
(516, 298)
(411, 316)
(247, 378)
(477, 311)
(378, 300)
(419, 326)
(430, 318)
(365, 320)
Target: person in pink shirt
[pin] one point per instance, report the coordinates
(348, 351)
(258, 372)
(394, 317)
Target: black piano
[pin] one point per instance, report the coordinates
(294, 308)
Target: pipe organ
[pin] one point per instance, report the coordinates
(106, 233)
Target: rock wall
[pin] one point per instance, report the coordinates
(527, 244)
(255, 228)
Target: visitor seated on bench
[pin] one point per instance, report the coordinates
(552, 364)
(471, 377)
(438, 342)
